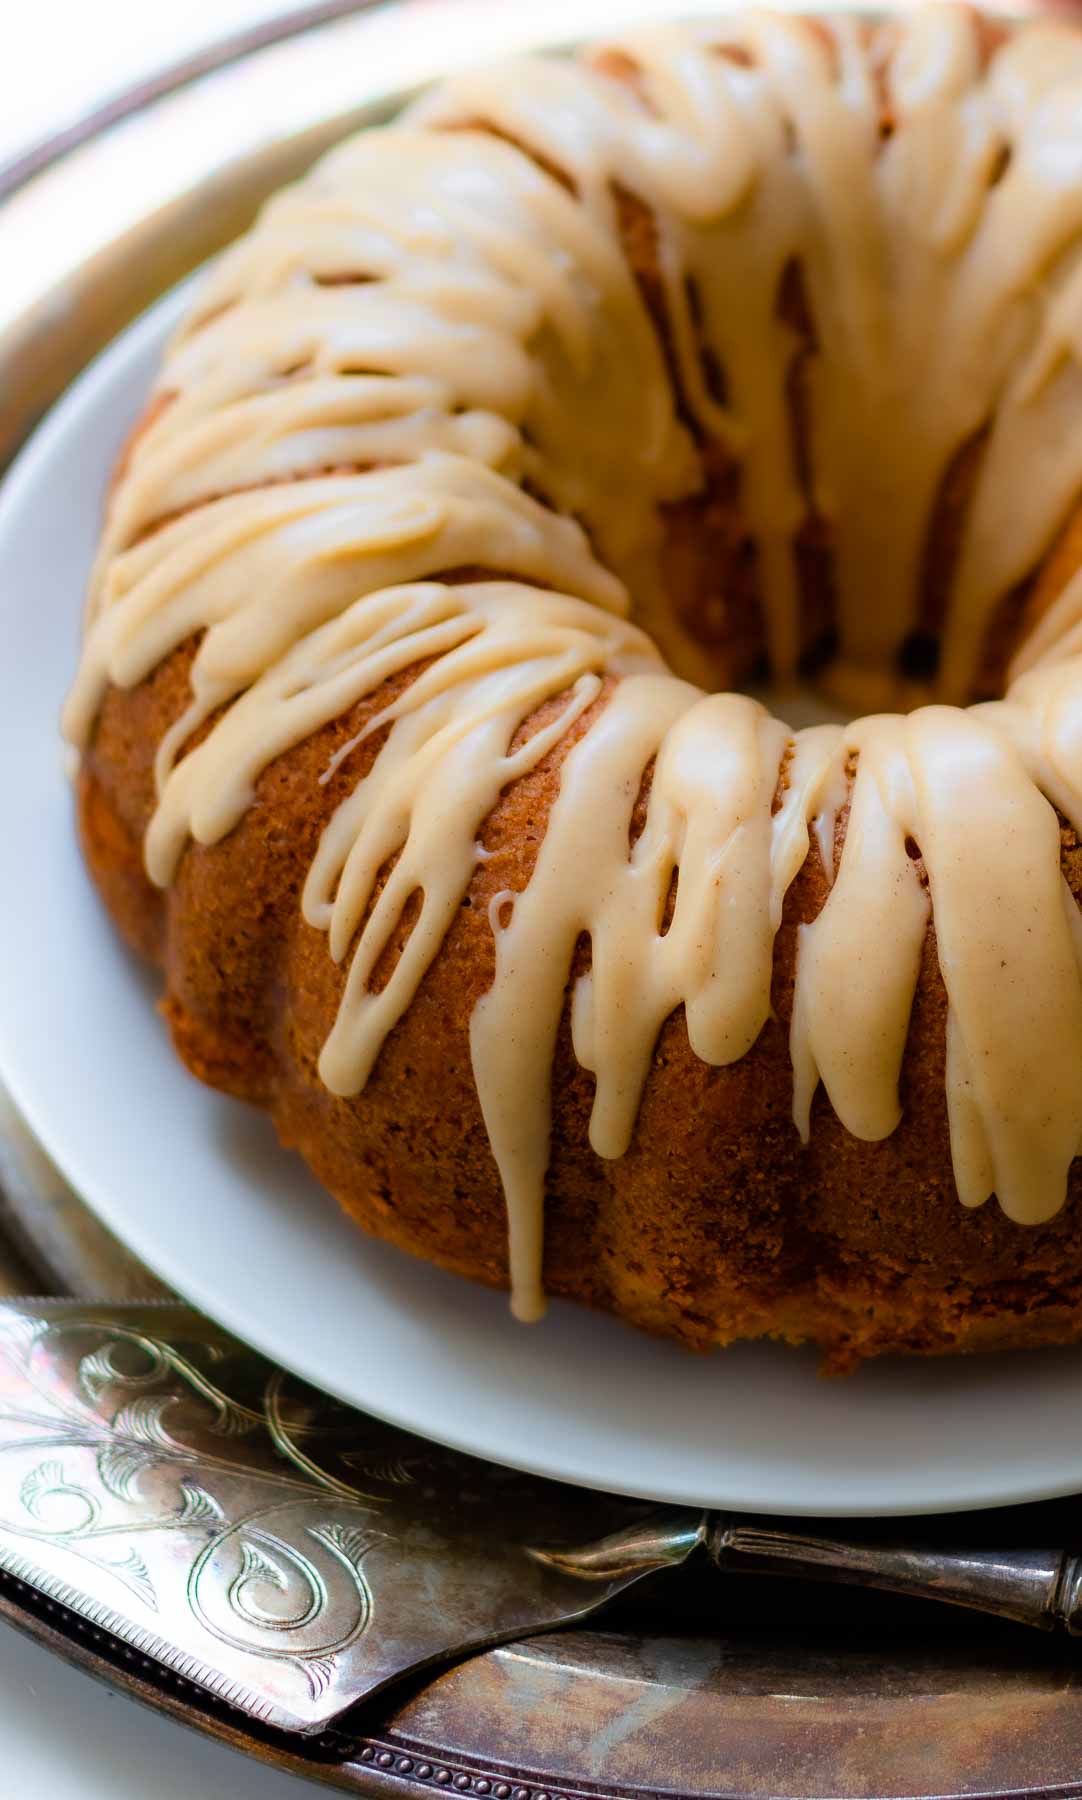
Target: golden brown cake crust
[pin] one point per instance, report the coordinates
(717, 1224)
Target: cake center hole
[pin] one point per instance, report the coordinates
(800, 704)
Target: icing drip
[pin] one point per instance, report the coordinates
(709, 824)
(432, 356)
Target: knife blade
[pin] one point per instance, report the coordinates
(286, 1553)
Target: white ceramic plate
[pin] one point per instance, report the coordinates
(199, 1188)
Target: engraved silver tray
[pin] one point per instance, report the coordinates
(791, 1692)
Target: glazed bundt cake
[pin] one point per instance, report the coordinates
(502, 448)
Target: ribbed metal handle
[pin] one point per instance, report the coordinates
(1035, 1587)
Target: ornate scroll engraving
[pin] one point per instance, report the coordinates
(137, 1441)
(286, 1552)
(256, 1589)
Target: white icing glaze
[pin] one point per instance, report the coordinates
(434, 351)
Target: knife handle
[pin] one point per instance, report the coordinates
(1034, 1587)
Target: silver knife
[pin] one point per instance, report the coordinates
(291, 1556)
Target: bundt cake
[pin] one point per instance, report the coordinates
(503, 447)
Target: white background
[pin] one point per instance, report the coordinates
(66, 1737)
(62, 57)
